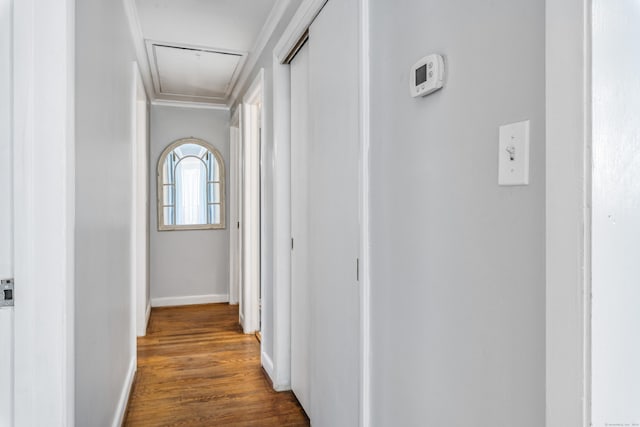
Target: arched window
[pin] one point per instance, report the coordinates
(191, 186)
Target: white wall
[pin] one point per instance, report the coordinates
(191, 263)
(6, 209)
(6, 179)
(458, 263)
(616, 214)
(105, 355)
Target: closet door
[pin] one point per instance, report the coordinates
(333, 213)
(300, 280)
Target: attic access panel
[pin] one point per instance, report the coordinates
(194, 72)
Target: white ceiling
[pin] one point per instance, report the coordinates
(197, 48)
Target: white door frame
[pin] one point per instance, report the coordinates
(301, 21)
(252, 209)
(281, 375)
(139, 207)
(234, 207)
(568, 201)
(44, 211)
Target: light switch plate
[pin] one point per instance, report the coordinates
(513, 154)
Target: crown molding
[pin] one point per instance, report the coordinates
(265, 35)
(137, 38)
(188, 104)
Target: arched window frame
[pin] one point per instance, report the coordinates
(161, 184)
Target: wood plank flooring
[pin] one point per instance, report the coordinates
(197, 368)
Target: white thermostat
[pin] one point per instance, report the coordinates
(426, 75)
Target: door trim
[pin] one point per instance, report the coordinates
(364, 273)
(282, 226)
(139, 209)
(568, 213)
(234, 150)
(298, 25)
(252, 208)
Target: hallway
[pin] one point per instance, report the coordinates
(197, 368)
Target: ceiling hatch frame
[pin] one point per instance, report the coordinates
(169, 96)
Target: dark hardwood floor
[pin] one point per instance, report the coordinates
(197, 368)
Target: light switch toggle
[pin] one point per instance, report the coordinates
(6, 293)
(513, 154)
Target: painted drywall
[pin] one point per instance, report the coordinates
(6, 210)
(6, 154)
(265, 62)
(187, 263)
(458, 263)
(105, 350)
(616, 214)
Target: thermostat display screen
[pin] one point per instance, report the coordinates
(426, 75)
(421, 75)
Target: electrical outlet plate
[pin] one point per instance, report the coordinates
(513, 154)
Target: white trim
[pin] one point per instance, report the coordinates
(365, 278)
(189, 300)
(255, 92)
(252, 229)
(234, 232)
(133, 260)
(139, 211)
(281, 387)
(267, 363)
(268, 366)
(44, 190)
(266, 32)
(568, 212)
(147, 316)
(300, 22)
(121, 409)
(137, 38)
(189, 104)
(282, 223)
(235, 118)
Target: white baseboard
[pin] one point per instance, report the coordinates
(147, 316)
(121, 409)
(267, 364)
(281, 387)
(188, 300)
(141, 330)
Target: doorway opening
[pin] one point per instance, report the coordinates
(252, 207)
